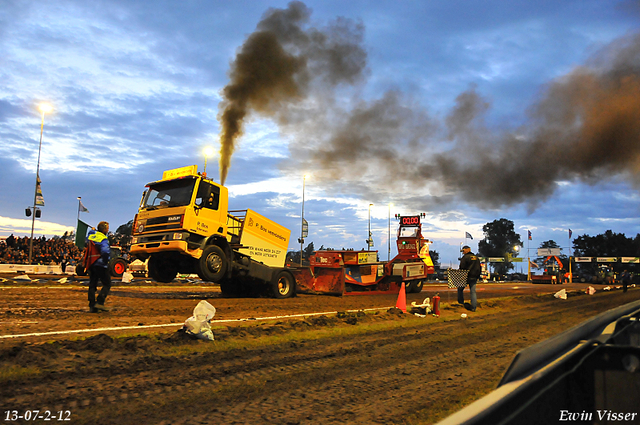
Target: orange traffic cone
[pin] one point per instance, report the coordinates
(402, 299)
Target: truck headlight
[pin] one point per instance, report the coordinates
(134, 240)
(177, 236)
(140, 228)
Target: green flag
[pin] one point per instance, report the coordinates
(81, 234)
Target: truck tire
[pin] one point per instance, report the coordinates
(283, 286)
(80, 271)
(117, 267)
(162, 269)
(212, 265)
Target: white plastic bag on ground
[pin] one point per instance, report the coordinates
(421, 309)
(590, 290)
(126, 277)
(562, 294)
(198, 324)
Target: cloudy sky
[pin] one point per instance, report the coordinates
(467, 111)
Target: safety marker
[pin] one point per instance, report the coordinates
(402, 299)
(213, 322)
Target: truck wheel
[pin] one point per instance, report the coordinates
(162, 269)
(117, 267)
(417, 286)
(212, 266)
(80, 271)
(283, 286)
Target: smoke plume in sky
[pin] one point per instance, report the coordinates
(584, 126)
(277, 64)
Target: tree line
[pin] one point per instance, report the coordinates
(501, 240)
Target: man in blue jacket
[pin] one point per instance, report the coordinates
(99, 253)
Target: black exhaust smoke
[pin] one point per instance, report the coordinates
(277, 64)
(584, 126)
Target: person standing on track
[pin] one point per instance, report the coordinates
(97, 264)
(469, 261)
(626, 280)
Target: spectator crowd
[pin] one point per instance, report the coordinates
(54, 251)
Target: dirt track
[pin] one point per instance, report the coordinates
(378, 367)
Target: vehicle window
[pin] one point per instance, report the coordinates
(169, 194)
(408, 232)
(208, 196)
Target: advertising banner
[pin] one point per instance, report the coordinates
(367, 257)
(634, 260)
(582, 259)
(606, 260)
(545, 252)
(265, 240)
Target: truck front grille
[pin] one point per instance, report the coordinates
(160, 224)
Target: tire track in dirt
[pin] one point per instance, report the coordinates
(387, 376)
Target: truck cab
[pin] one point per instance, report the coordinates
(184, 225)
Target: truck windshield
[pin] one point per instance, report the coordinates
(408, 232)
(175, 193)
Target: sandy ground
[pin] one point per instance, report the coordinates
(366, 364)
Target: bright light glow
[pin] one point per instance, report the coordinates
(209, 151)
(45, 108)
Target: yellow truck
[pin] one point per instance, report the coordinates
(183, 225)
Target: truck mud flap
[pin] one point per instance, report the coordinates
(327, 281)
(261, 271)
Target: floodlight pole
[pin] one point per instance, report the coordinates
(304, 178)
(35, 195)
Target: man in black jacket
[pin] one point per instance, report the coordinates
(469, 261)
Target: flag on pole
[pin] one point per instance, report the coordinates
(468, 235)
(529, 234)
(39, 197)
(81, 207)
(570, 233)
(81, 234)
(532, 264)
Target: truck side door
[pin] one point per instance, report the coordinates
(211, 206)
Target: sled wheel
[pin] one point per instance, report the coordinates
(212, 265)
(80, 271)
(283, 286)
(417, 286)
(408, 286)
(162, 269)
